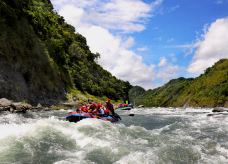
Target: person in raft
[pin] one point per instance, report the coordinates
(92, 107)
(100, 109)
(109, 107)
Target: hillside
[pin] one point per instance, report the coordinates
(42, 58)
(134, 92)
(208, 90)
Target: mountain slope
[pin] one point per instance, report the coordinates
(26, 71)
(42, 57)
(135, 92)
(208, 90)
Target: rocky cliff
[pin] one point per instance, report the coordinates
(42, 57)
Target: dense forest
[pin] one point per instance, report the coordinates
(208, 90)
(42, 57)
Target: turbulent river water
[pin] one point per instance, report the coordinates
(156, 135)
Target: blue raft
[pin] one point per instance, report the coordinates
(77, 116)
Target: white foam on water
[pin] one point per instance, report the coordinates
(167, 111)
(195, 138)
(138, 158)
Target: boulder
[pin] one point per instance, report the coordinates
(39, 105)
(19, 107)
(5, 104)
(219, 109)
(140, 106)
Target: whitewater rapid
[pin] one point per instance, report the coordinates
(156, 135)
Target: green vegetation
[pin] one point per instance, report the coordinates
(27, 72)
(44, 60)
(208, 90)
(48, 56)
(165, 95)
(135, 92)
(78, 98)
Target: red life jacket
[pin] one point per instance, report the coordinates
(84, 108)
(106, 111)
(110, 107)
(93, 106)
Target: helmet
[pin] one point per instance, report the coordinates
(99, 105)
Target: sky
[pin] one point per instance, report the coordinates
(149, 42)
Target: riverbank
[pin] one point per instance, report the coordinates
(75, 99)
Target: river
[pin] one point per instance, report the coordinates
(156, 135)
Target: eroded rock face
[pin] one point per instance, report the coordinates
(26, 71)
(30, 86)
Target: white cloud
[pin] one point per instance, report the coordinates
(163, 61)
(73, 15)
(96, 20)
(142, 49)
(212, 47)
(167, 71)
(124, 15)
(129, 42)
(188, 49)
(116, 58)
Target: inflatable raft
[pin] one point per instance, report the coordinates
(77, 116)
(125, 107)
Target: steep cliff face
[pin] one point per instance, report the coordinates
(208, 90)
(42, 57)
(26, 71)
